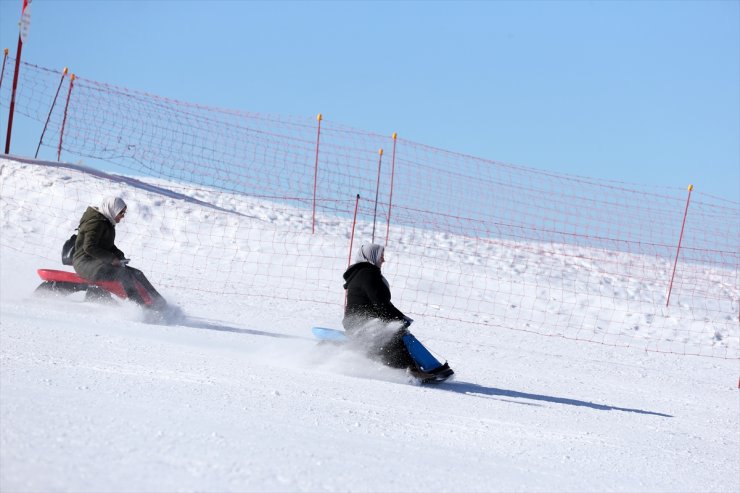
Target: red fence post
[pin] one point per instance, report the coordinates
(316, 174)
(2, 74)
(53, 103)
(390, 199)
(64, 120)
(678, 249)
(377, 190)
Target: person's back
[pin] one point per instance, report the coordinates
(368, 297)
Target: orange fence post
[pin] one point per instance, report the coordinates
(2, 73)
(390, 199)
(53, 103)
(316, 174)
(377, 190)
(64, 120)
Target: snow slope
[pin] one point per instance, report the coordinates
(236, 396)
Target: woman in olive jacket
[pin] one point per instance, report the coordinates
(369, 315)
(97, 258)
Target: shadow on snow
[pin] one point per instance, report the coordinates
(202, 324)
(474, 389)
(455, 386)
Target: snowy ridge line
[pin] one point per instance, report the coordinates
(576, 293)
(136, 183)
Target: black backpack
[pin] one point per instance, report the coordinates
(68, 250)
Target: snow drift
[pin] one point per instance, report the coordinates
(237, 396)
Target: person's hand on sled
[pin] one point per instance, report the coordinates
(407, 321)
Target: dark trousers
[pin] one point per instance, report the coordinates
(380, 343)
(129, 277)
(394, 352)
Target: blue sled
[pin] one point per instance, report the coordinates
(421, 355)
(324, 334)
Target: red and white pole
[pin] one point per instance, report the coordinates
(24, 25)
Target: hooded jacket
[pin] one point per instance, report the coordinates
(368, 294)
(95, 246)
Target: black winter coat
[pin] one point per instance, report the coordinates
(95, 246)
(368, 296)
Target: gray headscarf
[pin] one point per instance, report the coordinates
(111, 207)
(370, 252)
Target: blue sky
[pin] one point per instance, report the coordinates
(640, 92)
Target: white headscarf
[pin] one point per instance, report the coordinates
(111, 207)
(370, 252)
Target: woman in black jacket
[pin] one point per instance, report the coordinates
(369, 315)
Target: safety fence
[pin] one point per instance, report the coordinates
(475, 240)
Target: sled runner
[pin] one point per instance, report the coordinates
(62, 282)
(429, 369)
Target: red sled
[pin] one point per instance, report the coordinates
(62, 282)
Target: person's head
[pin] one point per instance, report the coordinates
(371, 252)
(113, 208)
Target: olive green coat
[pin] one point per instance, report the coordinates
(95, 247)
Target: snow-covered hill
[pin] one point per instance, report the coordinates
(236, 396)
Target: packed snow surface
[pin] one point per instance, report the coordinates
(235, 395)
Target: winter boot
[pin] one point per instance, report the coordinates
(437, 375)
